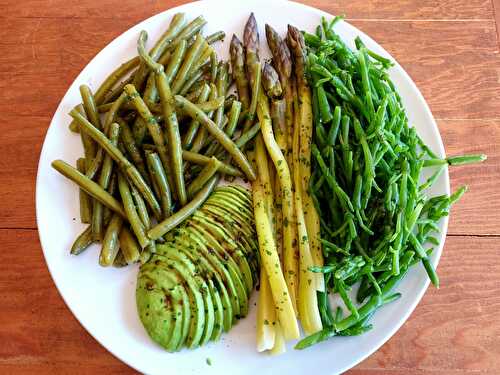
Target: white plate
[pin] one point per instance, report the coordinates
(103, 300)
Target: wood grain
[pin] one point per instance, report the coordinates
(408, 9)
(478, 212)
(457, 72)
(453, 330)
(138, 10)
(451, 50)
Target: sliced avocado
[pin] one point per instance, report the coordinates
(229, 219)
(233, 209)
(218, 311)
(228, 247)
(235, 201)
(177, 255)
(229, 265)
(197, 255)
(211, 255)
(240, 230)
(197, 324)
(185, 303)
(244, 193)
(159, 299)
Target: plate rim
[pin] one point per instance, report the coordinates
(433, 125)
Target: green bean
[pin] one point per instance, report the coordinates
(89, 186)
(115, 93)
(324, 106)
(174, 138)
(106, 87)
(193, 54)
(171, 222)
(153, 128)
(193, 111)
(196, 78)
(205, 175)
(113, 111)
(132, 150)
(109, 82)
(213, 66)
(204, 160)
(334, 127)
(247, 136)
(104, 179)
(107, 213)
(85, 200)
(155, 166)
(90, 106)
(343, 294)
(140, 206)
(176, 60)
(190, 134)
(122, 162)
(190, 30)
(132, 216)
(129, 246)
(215, 37)
(174, 34)
(465, 159)
(89, 146)
(111, 243)
(82, 242)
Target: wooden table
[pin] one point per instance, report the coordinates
(451, 50)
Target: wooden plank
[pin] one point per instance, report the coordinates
(457, 72)
(407, 9)
(454, 329)
(496, 12)
(20, 147)
(38, 332)
(375, 9)
(47, 46)
(477, 213)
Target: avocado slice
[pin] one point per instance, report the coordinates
(243, 253)
(243, 193)
(195, 253)
(235, 201)
(159, 298)
(218, 311)
(228, 264)
(211, 255)
(177, 255)
(186, 304)
(227, 247)
(197, 324)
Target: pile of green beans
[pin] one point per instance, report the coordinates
(366, 183)
(157, 135)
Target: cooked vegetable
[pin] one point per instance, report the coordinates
(172, 221)
(89, 186)
(366, 171)
(218, 134)
(198, 283)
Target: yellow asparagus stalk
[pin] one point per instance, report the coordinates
(266, 315)
(290, 256)
(279, 341)
(271, 262)
(307, 301)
